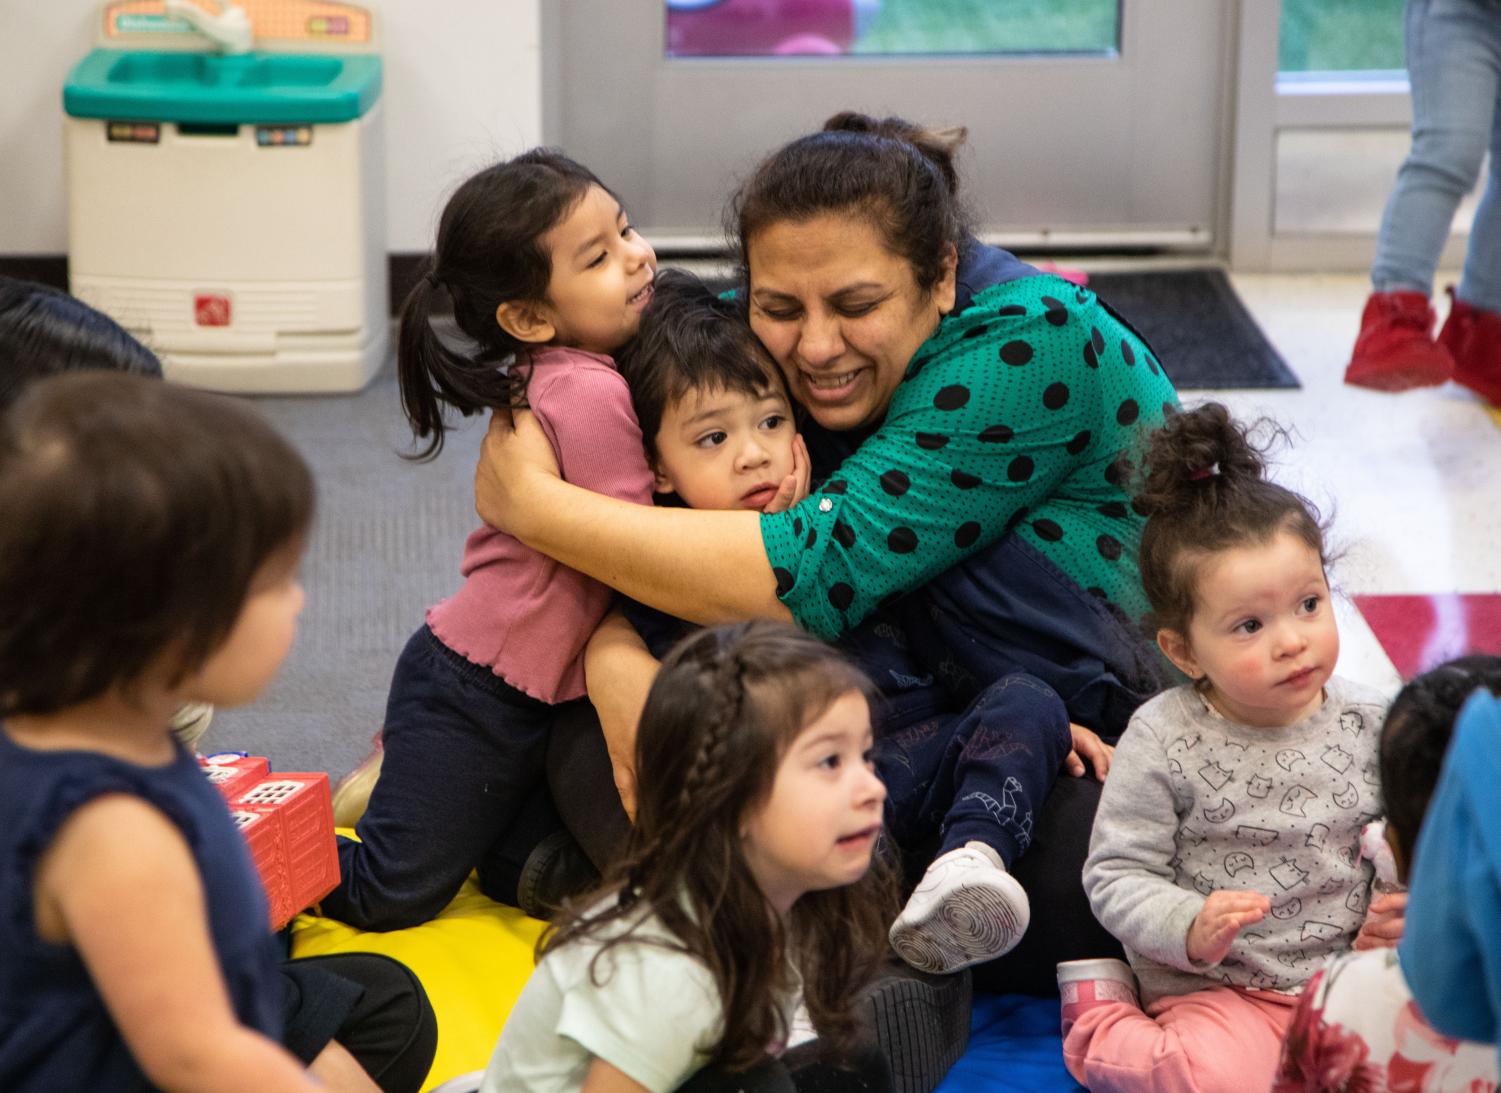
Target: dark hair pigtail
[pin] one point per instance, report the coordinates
(433, 375)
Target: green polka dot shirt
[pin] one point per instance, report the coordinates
(1011, 417)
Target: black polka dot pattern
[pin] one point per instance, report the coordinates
(785, 580)
(1013, 426)
(953, 397)
(895, 482)
(902, 540)
(1016, 354)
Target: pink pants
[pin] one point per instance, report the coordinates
(1219, 1040)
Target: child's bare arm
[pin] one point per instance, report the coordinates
(604, 1078)
(118, 884)
(618, 671)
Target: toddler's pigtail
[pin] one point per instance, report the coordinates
(433, 374)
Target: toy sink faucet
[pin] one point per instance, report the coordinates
(229, 30)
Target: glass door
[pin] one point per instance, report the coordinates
(1092, 123)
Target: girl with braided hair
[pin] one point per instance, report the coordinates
(747, 889)
(1224, 854)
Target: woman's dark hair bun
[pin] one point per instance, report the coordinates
(939, 145)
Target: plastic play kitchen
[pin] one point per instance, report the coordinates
(225, 166)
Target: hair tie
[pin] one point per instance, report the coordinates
(1204, 472)
(432, 279)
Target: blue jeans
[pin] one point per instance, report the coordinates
(1454, 65)
(462, 787)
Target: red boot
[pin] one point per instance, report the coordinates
(1395, 350)
(1473, 336)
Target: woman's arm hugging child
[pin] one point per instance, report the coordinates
(148, 557)
(1225, 852)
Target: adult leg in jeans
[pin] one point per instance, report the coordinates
(1454, 68)
(462, 754)
(1480, 285)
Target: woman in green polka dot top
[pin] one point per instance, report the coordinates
(967, 415)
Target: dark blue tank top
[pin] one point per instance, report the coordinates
(55, 1033)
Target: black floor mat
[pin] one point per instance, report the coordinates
(1197, 326)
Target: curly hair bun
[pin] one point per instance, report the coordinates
(1196, 455)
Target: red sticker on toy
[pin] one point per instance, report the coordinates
(211, 310)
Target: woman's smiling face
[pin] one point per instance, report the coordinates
(841, 313)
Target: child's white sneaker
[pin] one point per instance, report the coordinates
(967, 910)
(1085, 984)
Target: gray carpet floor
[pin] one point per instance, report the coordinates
(386, 545)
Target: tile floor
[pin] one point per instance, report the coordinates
(1413, 481)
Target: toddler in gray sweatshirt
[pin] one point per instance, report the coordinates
(1225, 852)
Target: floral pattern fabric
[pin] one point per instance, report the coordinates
(1356, 1029)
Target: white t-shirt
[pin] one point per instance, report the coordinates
(651, 1012)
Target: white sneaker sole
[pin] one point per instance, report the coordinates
(974, 923)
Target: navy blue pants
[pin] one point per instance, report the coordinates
(952, 777)
(980, 775)
(462, 787)
(1006, 610)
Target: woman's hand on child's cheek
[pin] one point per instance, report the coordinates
(509, 454)
(1384, 921)
(795, 486)
(1088, 751)
(1220, 920)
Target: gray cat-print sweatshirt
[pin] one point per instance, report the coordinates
(1195, 802)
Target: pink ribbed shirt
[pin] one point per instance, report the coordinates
(519, 612)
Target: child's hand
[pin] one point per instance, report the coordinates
(1089, 751)
(795, 486)
(1222, 917)
(1384, 922)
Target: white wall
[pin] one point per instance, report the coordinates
(461, 87)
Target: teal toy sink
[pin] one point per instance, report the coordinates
(251, 88)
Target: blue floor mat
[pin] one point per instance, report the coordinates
(1013, 1045)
